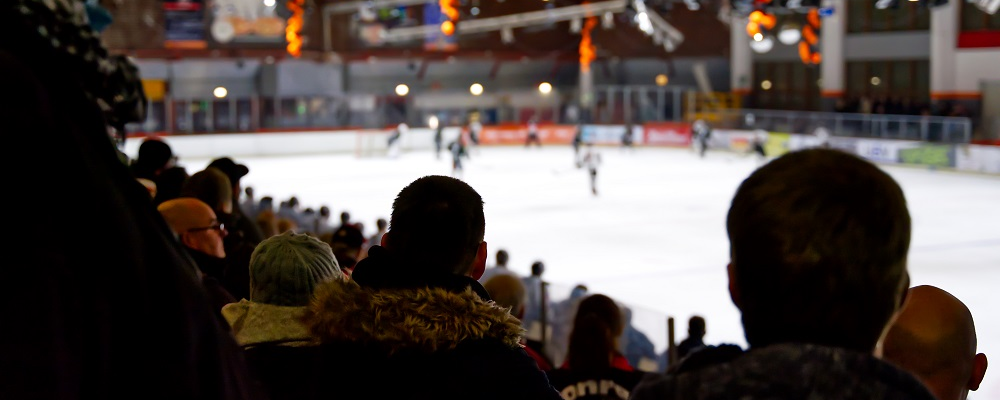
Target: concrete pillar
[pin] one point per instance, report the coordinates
(831, 44)
(944, 39)
(586, 89)
(740, 58)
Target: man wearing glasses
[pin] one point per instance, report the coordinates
(200, 233)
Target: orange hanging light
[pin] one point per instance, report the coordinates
(588, 52)
(448, 9)
(808, 51)
(448, 28)
(293, 29)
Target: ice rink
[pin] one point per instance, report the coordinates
(654, 237)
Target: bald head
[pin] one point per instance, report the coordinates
(934, 338)
(185, 213)
(195, 224)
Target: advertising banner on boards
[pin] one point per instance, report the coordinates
(609, 134)
(667, 134)
(518, 134)
(978, 158)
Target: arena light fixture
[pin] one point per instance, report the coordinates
(662, 80)
(220, 92)
(789, 34)
(764, 45)
(545, 88)
(476, 89)
(269, 3)
(402, 90)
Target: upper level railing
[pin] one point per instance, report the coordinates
(904, 127)
(615, 104)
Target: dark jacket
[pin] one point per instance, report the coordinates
(242, 238)
(391, 334)
(106, 304)
(211, 268)
(609, 384)
(789, 371)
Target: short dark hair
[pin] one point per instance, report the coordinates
(440, 221)
(818, 241)
(696, 326)
(502, 257)
(537, 268)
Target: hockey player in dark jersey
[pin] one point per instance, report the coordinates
(702, 133)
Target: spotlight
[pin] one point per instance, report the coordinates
(476, 89)
(789, 34)
(766, 85)
(545, 88)
(220, 92)
(402, 90)
(662, 80)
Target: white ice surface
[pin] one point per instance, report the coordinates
(655, 235)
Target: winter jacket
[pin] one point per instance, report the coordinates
(396, 333)
(259, 324)
(789, 371)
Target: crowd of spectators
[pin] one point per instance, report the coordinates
(117, 293)
(892, 105)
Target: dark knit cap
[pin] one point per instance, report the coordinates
(285, 269)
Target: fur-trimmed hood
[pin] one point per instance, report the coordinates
(427, 319)
(258, 323)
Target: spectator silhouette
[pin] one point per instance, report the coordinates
(819, 240)
(695, 338)
(346, 242)
(284, 272)
(537, 300)
(594, 368)
(508, 291)
(413, 322)
(198, 229)
(213, 186)
(935, 339)
(563, 313)
(499, 267)
(84, 332)
(638, 350)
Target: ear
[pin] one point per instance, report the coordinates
(734, 291)
(904, 295)
(188, 241)
(479, 265)
(978, 371)
(385, 240)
